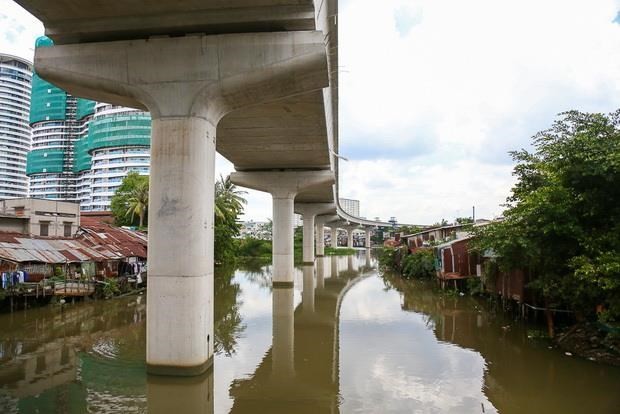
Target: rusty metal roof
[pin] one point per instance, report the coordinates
(100, 242)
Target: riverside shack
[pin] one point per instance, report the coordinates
(96, 252)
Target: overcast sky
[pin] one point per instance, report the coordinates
(434, 93)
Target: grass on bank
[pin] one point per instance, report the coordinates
(255, 248)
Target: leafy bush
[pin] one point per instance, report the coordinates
(420, 264)
(387, 258)
(339, 251)
(251, 247)
(111, 288)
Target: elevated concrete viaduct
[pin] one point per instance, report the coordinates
(255, 80)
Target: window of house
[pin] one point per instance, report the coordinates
(44, 228)
(67, 229)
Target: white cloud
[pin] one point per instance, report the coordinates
(424, 192)
(19, 30)
(441, 90)
(443, 101)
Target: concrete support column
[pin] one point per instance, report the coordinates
(334, 236)
(308, 239)
(320, 239)
(283, 329)
(320, 232)
(368, 233)
(350, 236)
(283, 235)
(309, 211)
(180, 293)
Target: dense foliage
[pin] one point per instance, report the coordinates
(130, 201)
(229, 204)
(562, 221)
(419, 265)
(251, 247)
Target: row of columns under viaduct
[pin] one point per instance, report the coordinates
(200, 80)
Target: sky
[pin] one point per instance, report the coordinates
(434, 93)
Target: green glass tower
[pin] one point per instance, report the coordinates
(81, 149)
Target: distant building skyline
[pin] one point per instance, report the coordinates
(350, 206)
(15, 91)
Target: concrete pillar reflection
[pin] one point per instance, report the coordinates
(283, 329)
(334, 267)
(368, 258)
(180, 395)
(307, 296)
(321, 263)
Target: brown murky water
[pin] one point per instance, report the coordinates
(342, 340)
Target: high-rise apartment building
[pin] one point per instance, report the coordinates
(119, 141)
(82, 149)
(15, 85)
(55, 128)
(351, 207)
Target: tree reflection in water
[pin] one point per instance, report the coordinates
(228, 324)
(257, 271)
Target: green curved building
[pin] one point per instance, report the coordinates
(119, 141)
(82, 149)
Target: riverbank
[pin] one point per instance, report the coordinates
(250, 248)
(587, 340)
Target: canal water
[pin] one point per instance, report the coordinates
(343, 340)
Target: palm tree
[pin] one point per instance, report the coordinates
(228, 205)
(138, 202)
(228, 198)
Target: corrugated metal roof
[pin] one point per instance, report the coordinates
(99, 242)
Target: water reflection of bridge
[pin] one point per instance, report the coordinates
(300, 371)
(85, 356)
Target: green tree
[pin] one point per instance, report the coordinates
(409, 229)
(229, 204)
(120, 202)
(138, 202)
(562, 220)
